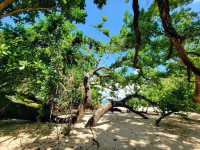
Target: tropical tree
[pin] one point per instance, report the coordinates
(154, 58)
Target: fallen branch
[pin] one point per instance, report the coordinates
(162, 117)
(136, 112)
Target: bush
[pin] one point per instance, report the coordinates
(177, 98)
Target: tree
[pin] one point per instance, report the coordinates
(150, 47)
(177, 41)
(42, 59)
(51, 63)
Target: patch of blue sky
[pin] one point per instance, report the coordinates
(110, 58)
(162, 68)
(114, 10)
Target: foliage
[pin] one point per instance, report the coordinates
(44, 59)
(45, 55)
(175, 95)
(72, 10)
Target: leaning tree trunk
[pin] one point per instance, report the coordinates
(87, 100)
(197, 90)
(122, 103)
(87, 90)
(98, 114)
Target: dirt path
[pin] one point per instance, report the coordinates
(114, 132)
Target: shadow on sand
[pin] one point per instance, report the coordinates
(114, 132)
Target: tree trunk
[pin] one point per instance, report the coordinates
(98, 114)
(197, 90)
(86, 103)
(122, 103)
(136, 29)
(79, 113)
(87, 92)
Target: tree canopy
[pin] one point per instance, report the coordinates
(47, 60)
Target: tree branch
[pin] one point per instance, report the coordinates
(119, 62)
(172, 34)
(136, 30)
(98, 69)
(5, 3)
(189, 75)
(20, 10)
(161, 117)
(136, 112)
(194, 53)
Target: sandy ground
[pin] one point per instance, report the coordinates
(115, 131)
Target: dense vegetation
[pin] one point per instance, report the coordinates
(49, 67)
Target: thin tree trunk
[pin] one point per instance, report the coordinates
(87, 92)
(87, 101)
(197, 90)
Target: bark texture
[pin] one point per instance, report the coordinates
(136, 30)
(87, 91)
(87, 100)
(98, 114)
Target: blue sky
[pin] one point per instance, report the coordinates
(114, 10)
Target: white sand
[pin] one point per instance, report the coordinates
(115, 131)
